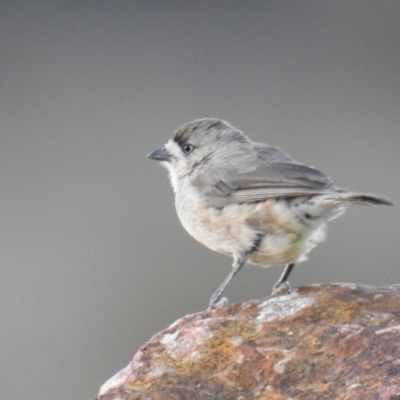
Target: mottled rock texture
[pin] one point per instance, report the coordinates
(337, 341)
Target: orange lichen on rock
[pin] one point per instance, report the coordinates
(338, 341)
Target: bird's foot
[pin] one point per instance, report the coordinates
(222, 302)
(282, 288)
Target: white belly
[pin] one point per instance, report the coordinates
(234, 229)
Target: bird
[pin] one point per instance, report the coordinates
(249, 201)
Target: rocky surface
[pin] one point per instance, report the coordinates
(337, 341)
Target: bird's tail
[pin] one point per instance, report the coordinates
(355, 198)
(326, 207)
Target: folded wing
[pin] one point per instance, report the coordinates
(252, 176)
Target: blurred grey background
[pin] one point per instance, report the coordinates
(93, 259)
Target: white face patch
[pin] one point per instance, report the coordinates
(176, 152)
(173, 148)
(176, 167)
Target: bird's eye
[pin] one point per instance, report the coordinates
(187, 148)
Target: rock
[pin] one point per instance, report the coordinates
(336, 341)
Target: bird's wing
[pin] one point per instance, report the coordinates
(251, 178)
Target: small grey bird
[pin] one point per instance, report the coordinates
(248, 200)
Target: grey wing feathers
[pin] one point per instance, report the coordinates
(286, 175)
(254, 176)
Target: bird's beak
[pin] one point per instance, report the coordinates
(160, 155)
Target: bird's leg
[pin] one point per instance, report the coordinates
(237, 264)
(283, 282)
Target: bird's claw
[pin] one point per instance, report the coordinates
(214, 303)
(281, 288)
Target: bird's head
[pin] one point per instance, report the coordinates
(195, 144)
